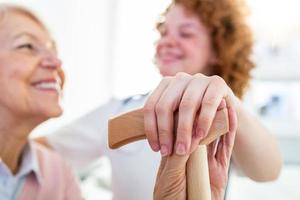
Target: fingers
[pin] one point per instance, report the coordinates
(165, 109)
(222, 105)
(230, 137)
(215, 92)
(211, 149)
(197, 98)
(226, 143)
(159, 112)
(187, 137)
(150, 116)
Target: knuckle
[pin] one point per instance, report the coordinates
(149, 132)
(217, 80)
(186, 104)
(183, 130)
(149, 107)
(165, 80)
(164, 133)
(199, 75)
(182, 76)
(209, 101)
(162, 108)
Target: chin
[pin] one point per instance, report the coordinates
(168, 72)
(51, 112)
(56, 113)
(170, 69)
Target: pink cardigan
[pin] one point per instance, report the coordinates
(57, 182)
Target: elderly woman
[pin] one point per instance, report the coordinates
(31, 80)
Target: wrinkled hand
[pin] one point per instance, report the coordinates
(196, 98)
(171, 177)
(218, 155)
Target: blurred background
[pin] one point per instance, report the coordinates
(107, 50)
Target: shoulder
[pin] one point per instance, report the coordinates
(132, 102)
(56, 173)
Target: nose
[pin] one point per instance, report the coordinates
(168, 40)
(51, 61)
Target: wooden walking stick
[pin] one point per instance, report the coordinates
(129, 127)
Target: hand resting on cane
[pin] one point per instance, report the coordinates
(171, 177)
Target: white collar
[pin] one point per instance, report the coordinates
(29, 164)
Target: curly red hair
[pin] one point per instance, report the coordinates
(231, 37)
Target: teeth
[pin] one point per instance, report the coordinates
(50, 85)
(169, 56)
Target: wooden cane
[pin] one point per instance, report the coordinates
(129, 127)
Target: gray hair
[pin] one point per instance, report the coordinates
(8, 8)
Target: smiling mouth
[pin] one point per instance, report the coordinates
(169, 58)
(48, 85)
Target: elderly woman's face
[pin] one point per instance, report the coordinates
(184, 45)
(30, 72)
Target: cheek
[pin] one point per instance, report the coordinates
(197, 58)
(193, 52)
(10, 77)
(23, 71)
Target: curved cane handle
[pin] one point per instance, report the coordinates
(129, 127)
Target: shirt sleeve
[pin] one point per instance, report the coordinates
(84, 140)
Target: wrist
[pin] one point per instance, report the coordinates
(217, 194)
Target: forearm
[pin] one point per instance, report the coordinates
(256, 152)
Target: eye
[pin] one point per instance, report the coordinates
(28, 46)
(186, 34)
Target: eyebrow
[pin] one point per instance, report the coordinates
(184, 25)
(25, 34)
(188, 25)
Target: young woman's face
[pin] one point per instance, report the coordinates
(184, 45)
(30, 72)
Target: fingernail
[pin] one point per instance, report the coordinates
(180, 149)
(154, 146)
(164, 150)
